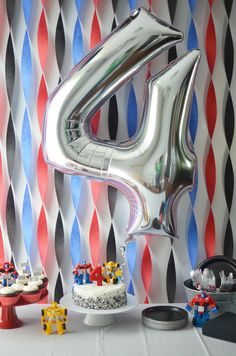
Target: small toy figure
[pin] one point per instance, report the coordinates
(51, 315)
(25, 269)
(8, 273)
(82, 273)
(77, 278)
(201, 304)
(111, 272)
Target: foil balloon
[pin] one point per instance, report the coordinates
(157, 164)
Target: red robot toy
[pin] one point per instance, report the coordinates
(82, 273)
(7, 273)
(202, 304)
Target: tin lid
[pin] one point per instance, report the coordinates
(165, 317)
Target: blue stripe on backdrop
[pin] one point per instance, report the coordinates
(132, 118)
(76, 184)
(192, 36)
(26, 144)
(193, 192)
(192, 237)
(131, 256)
(192, 4)
(78, 5)
(75, 242)
(132, 112)
(193, 121)
(27, 221)
(192, 241)
(132, 4)
(78, 50)
(27, 7)
(26, 67)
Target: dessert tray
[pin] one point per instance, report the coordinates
(99, 317)
(8, 317)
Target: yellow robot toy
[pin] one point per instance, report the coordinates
(54, 315)
(111, 272)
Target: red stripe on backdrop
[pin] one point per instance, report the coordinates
(2, 206)
(210, 235)
(210, 184)
(42, 168)
(95, 2)
(210, 174)
(42, 173)
(42, 40)
(95, 38)
(1, 195)
(95, 32)
(211, 114)
(2, 259)
(211, 110)
(42, 235)
(95, 122)
(211, 44)
(41, 102)
(146, 271)
(146, 264)
(1, 185)
(95, 186)
(210, 3)
(94, 240)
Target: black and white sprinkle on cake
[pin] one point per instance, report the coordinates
(105, 297)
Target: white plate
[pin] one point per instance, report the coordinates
(99, 317)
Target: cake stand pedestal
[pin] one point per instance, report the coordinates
(98, 320)
(99, 317)
(9, 319)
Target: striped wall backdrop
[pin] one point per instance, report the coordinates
(55, 220)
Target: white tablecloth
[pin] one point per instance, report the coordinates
(126, 337)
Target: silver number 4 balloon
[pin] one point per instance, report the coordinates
(157, 164)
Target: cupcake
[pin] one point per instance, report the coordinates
(9, 296)
(36, 282)
(18, 287)
(39, 273)
(44, 279)
(31, 294)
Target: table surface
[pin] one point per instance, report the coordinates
(127, 337)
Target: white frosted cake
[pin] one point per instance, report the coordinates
(107, 296)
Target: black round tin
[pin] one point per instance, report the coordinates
(165, 317)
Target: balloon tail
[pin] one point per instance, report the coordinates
(123, 254)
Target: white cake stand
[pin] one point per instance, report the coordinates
(99, 317)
